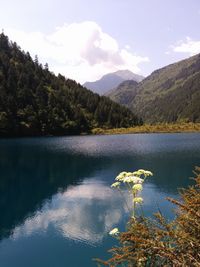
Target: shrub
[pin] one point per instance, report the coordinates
(158, 242)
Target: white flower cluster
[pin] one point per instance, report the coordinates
(143, 172)
(137, 187)
(116, 184)
(138, 200)
(133, 179)
(133, 182)
(136, 177)
(114, 232)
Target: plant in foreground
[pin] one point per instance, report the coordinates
(160, 243)
(133, 182)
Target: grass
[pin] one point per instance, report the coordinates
(148, 128)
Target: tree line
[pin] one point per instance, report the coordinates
(34, 101)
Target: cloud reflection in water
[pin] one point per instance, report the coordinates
(85, 213)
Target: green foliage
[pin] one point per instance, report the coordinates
(124, 93)
(33, 101)
(170, 94)
(159, 242)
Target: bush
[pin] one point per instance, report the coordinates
(160, 243)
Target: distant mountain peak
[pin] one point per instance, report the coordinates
(112, 80)
(126, 74)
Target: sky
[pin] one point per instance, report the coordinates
(85, 39)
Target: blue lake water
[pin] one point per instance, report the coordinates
(56, 203)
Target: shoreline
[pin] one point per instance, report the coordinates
(143, 129)
(148, 128)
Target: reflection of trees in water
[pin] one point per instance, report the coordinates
(29, 178)
(30, 175)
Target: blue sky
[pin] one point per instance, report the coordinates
(85, 39)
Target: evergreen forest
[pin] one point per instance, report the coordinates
(36, 102)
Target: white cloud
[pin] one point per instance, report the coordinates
(81, 51)
(188, 46)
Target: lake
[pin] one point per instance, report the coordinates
(56, 203)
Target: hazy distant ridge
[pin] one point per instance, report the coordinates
(112, 80)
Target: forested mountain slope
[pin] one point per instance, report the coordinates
(33, 101)
(170, 94)
(123, 93)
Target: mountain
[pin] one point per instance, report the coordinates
(33, 101)
(112, 80)
(169, 94)
(124, 92)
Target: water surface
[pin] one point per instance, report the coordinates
(56, 203)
